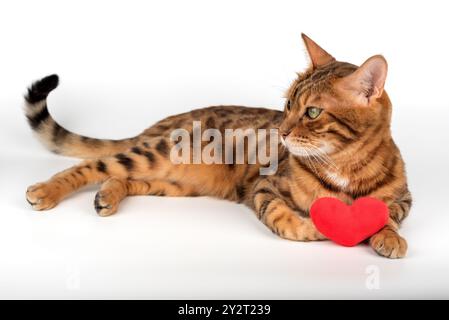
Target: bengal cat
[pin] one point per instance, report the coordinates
(335, 141)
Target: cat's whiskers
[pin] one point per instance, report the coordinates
(327, 160)
(310, 162)
(322, 158)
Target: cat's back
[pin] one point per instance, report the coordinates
(218, 117)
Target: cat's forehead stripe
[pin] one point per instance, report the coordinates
(319, 79)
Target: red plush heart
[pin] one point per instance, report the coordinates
(349, 225)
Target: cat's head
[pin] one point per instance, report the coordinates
(334, 104)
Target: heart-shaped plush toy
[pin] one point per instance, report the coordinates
(349, 225)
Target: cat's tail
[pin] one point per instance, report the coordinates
(58, 139)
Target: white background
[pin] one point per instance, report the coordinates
(126, 64)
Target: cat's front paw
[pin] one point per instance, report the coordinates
(389, 244)
(43, 196)
(106, 202)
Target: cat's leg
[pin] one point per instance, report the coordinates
(114, 190)
(46, 195)
(280, 218)
(387, 242)
(138, 163)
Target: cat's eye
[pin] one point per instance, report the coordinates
(313, 112)
(289, 105)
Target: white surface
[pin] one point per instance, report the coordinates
(126, 64)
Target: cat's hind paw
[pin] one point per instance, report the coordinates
(43, 196)
(106, 203)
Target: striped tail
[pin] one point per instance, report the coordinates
(58, 139)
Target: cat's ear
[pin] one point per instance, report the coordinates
(368, 81)
(318, 56)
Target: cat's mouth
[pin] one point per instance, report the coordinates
(306, 149)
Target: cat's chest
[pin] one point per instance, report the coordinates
(305, 191)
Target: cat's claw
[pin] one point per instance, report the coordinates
(42, 196)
